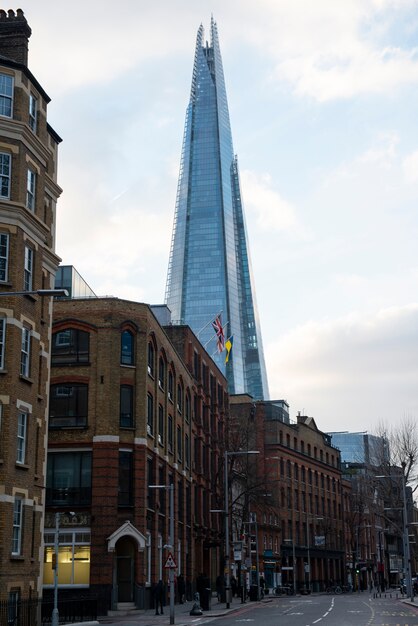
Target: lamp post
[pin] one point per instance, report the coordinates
(170, 489)
(226, 513)
(314, 519)
(406, 549)
(37, 292)
(55, 613)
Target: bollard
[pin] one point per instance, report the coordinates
(196, 610)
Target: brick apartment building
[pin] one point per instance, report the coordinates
(28, 197)
(303, 514)
(132, 404)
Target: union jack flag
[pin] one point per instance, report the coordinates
(218, 328)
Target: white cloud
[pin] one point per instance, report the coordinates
(365, 366)
(273, 213)
(410, 167)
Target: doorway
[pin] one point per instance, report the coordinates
(125, 569)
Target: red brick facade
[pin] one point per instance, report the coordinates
(171, 433)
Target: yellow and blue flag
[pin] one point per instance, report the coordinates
(228, 347)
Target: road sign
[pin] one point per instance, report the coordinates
(170, 562)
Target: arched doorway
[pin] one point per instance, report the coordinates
(124, 542)
(125, 569)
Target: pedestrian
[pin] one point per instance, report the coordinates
(181, 588)
(262, 585)
(219, 587)
(158, 597)
(234, 586)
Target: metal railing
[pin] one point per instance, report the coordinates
(37, 612)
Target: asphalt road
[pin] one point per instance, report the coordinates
(322, 610)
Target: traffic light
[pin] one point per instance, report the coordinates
(253, 543)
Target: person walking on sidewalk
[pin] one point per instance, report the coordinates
(158, 597)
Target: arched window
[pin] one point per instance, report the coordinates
(161, 373)
(179, 398)
(150, 414)
(170, 386)
(70, 346)
(188, 407)
(151, 357)
(127, 348)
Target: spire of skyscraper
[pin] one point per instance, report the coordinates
(209, 272)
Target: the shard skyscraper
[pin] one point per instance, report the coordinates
(209, 270)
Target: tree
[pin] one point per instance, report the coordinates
(401, 448)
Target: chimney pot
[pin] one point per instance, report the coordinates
(14, 36)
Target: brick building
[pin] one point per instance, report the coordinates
(132, 405)
(300, 525)
(28, 196)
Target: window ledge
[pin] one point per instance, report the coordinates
(128, 366)
(23, 466)
(26, 379)
(127, 427)
(2, 371)
(17, 557)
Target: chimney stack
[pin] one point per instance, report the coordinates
(14, 36)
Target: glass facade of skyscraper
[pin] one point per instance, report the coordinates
(209, 269)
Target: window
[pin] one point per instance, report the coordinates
(70, 346)
(73, 558)
(127, 348)
(68, 480)
(151, 359)
(170, 386)
(188, 407)
(160, 424)
(28, 271)
(6, 95)
(33, 107)
(68, 405)
(170, 433)
(125, 492)
(30, 190)
(179, 398)
(150, 414)
(161, 373)
(126, 419)
(179, 443)
(22, 424)
(25, 353)
(17, 525)
(150, 481)
(187, 450)
(4, 257)
(5, 165)
(2, 341)
(13, 607)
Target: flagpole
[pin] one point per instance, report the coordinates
(213, 336)
(206, 325)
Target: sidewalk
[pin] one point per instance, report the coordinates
(181, 612)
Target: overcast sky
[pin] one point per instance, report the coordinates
(323, 100)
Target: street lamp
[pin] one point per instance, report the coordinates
(406, 549)
(314, 519)
(226, 512)
(37, 292)
(55, 613)
(170, 489)
(293, 560)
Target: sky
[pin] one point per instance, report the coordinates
(323, 100)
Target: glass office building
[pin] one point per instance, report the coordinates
(361, 447)
(209, 270)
